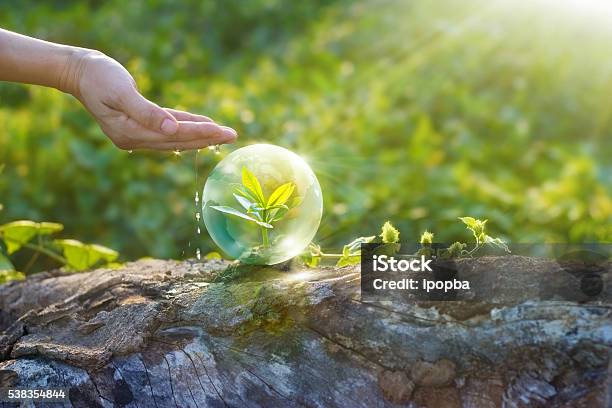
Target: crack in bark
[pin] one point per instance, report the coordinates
(194, 369)
(148, 380)
(272, 388)
(170, 380)
(123, 378)
(97, 390)
(210, 379)
(407, 317)
(203, 365)
(349, 349)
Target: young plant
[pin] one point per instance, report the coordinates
(351, 252)
(478, 228)
(457, 249)
(389, 245)
(35, 236)
(264, 212)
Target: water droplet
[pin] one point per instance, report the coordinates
(198, 254)
(215, 149)
(198, 230)
(198, 216)
(130, 151)
(197, 198)
(177, 152)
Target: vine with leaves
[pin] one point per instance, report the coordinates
(390, 236)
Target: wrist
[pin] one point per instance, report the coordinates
(71, 72)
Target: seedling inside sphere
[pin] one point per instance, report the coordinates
(264, 212)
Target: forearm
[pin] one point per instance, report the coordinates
(32, 61)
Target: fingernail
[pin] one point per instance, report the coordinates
(229, 131)
(169, 126)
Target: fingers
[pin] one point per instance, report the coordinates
(146, 113)
(188, 145)
(128, 134)
(199, 130)
(138, 123)
(187, 116)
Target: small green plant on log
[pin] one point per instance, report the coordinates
(264, 212)
(36, 236)
(389, 240)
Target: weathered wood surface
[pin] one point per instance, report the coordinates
(184, 334)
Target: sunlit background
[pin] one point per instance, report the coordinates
(412, 111)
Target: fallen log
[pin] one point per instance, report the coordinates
(188, 334)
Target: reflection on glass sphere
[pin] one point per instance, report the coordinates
(262, 204)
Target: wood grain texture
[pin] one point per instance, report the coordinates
(185, 334)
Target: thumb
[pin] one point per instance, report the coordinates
(148, 114)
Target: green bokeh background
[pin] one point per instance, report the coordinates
(412, 111)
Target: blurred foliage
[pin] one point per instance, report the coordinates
(418, 112)
(73, 255)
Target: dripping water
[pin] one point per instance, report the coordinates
(197, 203)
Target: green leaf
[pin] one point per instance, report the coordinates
(264, 224)
(82, 256)
(496, 242)
(469, 221)
(476, 226)
(348, 260)
(5, 263)
(389, 233)
(244, 202)
(10, 275)
(351, 252)
(281, 195)
(234, 212)
(18, 233)
(213, 255)
(246, 193)
(47, 228)
(356, 243)
(311, 261)
(252, 184)
(427, 237)
(455, 250)
(311, 257)
(106, 254)
(75, 253)
(276, 214)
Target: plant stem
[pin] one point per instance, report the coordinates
(264, 237)
(47, 252)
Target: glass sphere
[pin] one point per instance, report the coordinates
(262, 204)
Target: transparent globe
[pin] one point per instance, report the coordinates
(262, 204)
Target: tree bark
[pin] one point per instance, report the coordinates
(187, 334)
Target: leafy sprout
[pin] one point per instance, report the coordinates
(478, 228)
(35, 236)
(388, 241)
(258, 209)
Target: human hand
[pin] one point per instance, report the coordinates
(109, 93)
